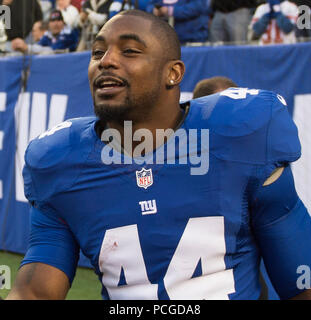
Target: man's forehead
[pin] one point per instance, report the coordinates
(127, 24)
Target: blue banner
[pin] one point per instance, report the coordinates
(54, 88)
(284, 69)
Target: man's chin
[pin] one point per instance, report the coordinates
(112, 112)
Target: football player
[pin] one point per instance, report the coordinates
(157, 230)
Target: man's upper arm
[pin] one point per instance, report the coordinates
(39, 281)
(50, 261)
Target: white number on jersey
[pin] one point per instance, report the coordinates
(202, 242)
(121, 249)
(239, 93)
(63, 125)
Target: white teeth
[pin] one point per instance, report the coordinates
(109, 83)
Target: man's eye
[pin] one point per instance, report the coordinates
(97, 53)
(131, 51)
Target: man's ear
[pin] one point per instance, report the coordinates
(176, 71)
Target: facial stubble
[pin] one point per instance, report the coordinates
(134, 108)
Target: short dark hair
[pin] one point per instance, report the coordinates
(56, 15)
(212, 85)
(165, 33)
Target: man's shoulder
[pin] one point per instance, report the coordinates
(55, 144)
(53, 160)
(248, 125)
(224, 109)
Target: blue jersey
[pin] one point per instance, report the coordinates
(156, 231)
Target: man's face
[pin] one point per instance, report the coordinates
(126, 70)
(56, 26)
(37, 33)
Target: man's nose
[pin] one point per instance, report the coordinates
(110, 59)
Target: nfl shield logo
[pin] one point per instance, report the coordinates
(144, 178)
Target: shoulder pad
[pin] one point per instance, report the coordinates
(249, 125)
(53, 145)
(54, 157)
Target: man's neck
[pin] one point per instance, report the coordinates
(161, 121)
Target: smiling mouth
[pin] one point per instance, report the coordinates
(107, 86)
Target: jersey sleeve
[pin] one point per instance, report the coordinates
(51, 242)
(282, 229)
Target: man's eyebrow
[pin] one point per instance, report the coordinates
(133, 36)
(127, 36)
(99, 39)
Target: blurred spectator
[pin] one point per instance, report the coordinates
(305, 14)
(38, 30)
(190, 17)
(93, 16)
(77, 4)
(231, 20)
(24, 13)
(212, 85)
(274, 22)
(120, 5)
(47, 6)
(70, 13)
(58, 38)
